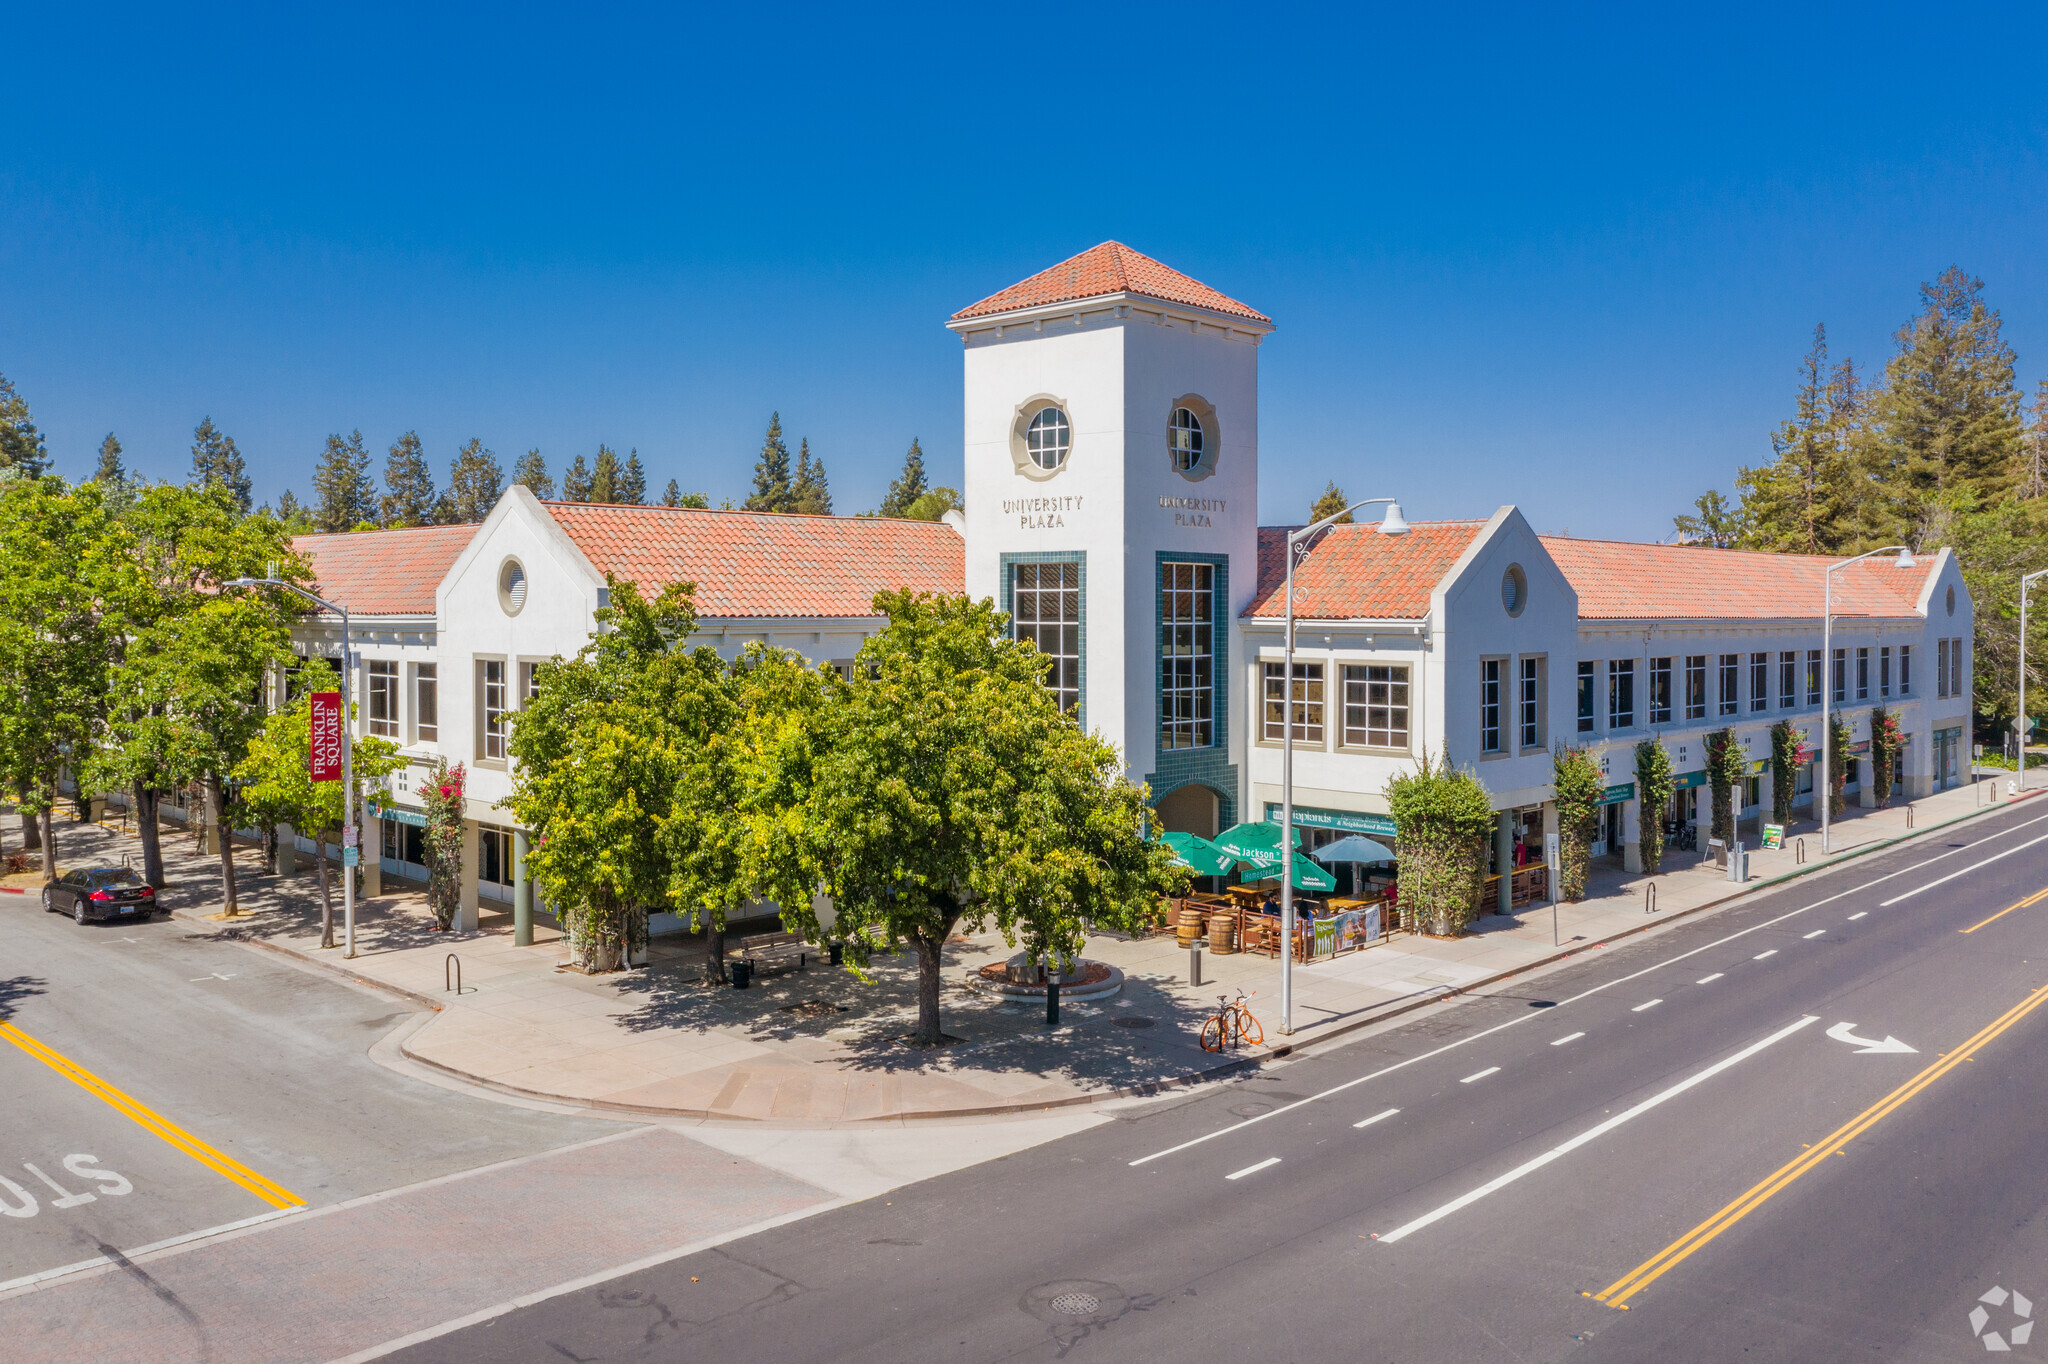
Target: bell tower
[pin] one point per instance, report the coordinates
(1112, 452)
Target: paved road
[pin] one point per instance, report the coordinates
(202, 1083)
(1633, 1156)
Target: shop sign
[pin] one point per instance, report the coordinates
(1350, 821)
(398, 814)
(1860, 749)
(1756, 769)
(1685, 781)
(323, 758)
(1344, 932)
(1615, 795)
(1774, 835)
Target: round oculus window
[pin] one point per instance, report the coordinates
(1514, 590)
(1184, 440)
(512, 587)
(1048, 438)
(1951, 601)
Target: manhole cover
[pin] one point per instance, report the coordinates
(1077, 1304)
(1251, 1110)
(1071, 1304)
(1128, 1022)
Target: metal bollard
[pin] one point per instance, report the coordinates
(1052, 1002)
(1798, 852)
(1195, 962)
(454, 963)
(1650, 898)
(1909, 816)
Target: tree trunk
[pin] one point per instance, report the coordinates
(31, 830)
(49, 846)
(326, 892)
(930, 947)
(152, 843)
(714, 942)
(216, 800)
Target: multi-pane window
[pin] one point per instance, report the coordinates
(1695, 686)
(491, 706)
(1863, 674)
(1813, 677)
(1884, 670)
(1187, 616)
(1731, 681)
(426, 703)
(383, 685)
(529, 686)
(1838, 686)
(1047, 438)
(1489, 705)
(1376, 705)
(1759, 681)
(1660, 691)
(1045, 608)
(493, 855)
(1586, 688)
(1788, 679)
(1307, 702)
(1941, 668)
(1905, 670)
(1621, 693)
(1184, 440)
(1529, 703)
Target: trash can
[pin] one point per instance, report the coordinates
(838, 950)
(742, 975)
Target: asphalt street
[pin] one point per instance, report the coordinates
(1809, 1127)
(157, 1081)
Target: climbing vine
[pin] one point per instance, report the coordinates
(1653, 797)
(1576, 778)
(1839, 760)
(1789, 753)
(1886, 741)
(1724, 770)
(441, 841)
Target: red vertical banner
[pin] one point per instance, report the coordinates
(324, 758)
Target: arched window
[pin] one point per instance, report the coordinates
(1048, 438)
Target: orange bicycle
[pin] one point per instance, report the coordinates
(1232, 1025)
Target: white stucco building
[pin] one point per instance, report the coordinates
(1110, 424)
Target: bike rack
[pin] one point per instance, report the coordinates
(1798, 852)
(1909, 816)
(454, 964)
(1650, 898)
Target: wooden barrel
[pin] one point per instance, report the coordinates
(1222, 933)
(1190, 924)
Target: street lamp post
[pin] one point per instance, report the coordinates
(1826, 793)
(348, 767)
(1298, 549)
(2026, 581)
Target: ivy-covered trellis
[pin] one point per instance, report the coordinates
(1886, 742)
(1724, 769)
(1840, 737)
(1576, 778)
(1654, 787)
(1789, 753)
(441, 841)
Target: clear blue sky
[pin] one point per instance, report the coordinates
(1560, 257)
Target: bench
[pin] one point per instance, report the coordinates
(766, 949)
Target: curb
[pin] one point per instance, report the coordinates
(234, 933)
(1150, 1088)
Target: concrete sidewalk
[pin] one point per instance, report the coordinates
(819, 1046)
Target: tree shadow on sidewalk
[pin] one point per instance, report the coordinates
(17, 988)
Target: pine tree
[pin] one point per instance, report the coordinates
(907, 488)
(810, 494)
(474, 485)
(291, 513)
(409, 496)
(604, 475)
(1330, 503)
(21, 445)
(1800, 503)
(2034, 477)
(110, 474)
(576, 482)
(632, 489)
(1947, 429)
(772, 492)
(344, 496)
(532, 472)
(217, 463)
(674, 496)
(1716, 525)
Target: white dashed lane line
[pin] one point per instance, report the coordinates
(1815, 934)
(1857, 915)
(1368, 1122)
(1490, 1070)
(1709, 980)
(1647, 1004)
(1254, 1169)
(1568, 1037)
(1761, 955)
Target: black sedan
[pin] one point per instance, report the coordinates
(100, 893)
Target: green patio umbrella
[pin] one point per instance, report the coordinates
(1198, 854)
(1307, 875)
(1255, 842)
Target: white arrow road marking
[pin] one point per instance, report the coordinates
(1598, 1129)
(1845, 1032)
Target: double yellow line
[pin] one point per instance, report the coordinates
(218, 1161)
(1649, 1271)
(2033, 899)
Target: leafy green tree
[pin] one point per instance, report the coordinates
(474, 485)
(943, 787)
(1330, 503)
(632, 489)
(292, 514)
(1654, 788)
(1716, 524)
(1444, 820)
(532, 472)
(772, 491)
(576, 482)
(1576, 779)
(908, 487)
(409, 496)
(216, 463)
(810, 494)
(1725, 767)
(934, 505)
(604, 476)
(1789, 753)
(21, 445)
(277, 780)
(344, 494)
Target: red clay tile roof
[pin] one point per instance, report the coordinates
(1619, 580)
(1111, 268)
(384, 572)
(762, 564)
(1355, 573)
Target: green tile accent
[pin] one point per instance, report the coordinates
(1008, 581)
(1210, 767)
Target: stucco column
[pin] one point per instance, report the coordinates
(1866, 786)
(1504, 858)
(287, 861)
(466, 909)
(1632, 836)
(522, 893)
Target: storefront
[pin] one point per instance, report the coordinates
(1948, 757)
(1322, 827)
